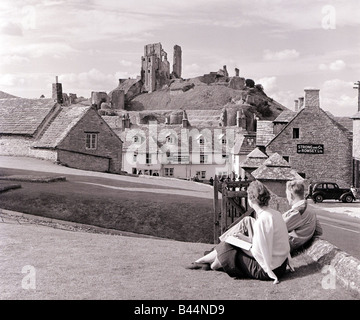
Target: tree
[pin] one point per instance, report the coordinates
(250, 83)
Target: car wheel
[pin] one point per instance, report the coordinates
(348, 199)
(319, 198)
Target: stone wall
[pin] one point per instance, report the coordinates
(22, 147)
(84, 161)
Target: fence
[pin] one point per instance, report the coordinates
(233, 205)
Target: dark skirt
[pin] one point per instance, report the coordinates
(237, 264)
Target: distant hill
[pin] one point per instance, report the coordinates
(4, 95)
(192, 94)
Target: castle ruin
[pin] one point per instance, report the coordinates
(155, 68)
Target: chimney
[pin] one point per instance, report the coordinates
(296, 105)
(241, 119)
(312, 98)
(237, 72)
(301, 102)
(57, 94)
(185, 122)
(125, 121)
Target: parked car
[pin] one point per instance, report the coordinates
(329, 190)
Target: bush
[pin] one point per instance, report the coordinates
(264, 109)
(250, 83)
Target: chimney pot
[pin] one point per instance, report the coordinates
(296, 105)
(312, 98)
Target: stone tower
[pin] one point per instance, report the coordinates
(57, 94)
(177, 62)
(155, 68)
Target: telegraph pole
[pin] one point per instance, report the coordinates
(357, 86)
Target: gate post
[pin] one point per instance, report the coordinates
(216, 210)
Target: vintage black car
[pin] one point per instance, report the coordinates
(329, 190)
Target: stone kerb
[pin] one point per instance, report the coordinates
(344, 268)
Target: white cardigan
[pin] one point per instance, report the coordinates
(270, 243)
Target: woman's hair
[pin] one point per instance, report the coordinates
(258, 193)
(296, 187)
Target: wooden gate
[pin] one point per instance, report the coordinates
(232, 206)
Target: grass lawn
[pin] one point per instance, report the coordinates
(163, 215)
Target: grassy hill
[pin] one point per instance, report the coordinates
(197, 95)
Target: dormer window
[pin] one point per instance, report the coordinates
(171, 139)
(138, 139)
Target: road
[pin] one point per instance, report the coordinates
(339, 228)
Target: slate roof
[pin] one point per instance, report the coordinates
(275, 173)
(285, 116)
(275, 168)
(264, 132)
(254, 159)
(276, 160)
(61, 126)
(23, 116)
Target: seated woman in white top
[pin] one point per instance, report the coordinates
(267, 257)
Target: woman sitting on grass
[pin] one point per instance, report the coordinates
(267, 257)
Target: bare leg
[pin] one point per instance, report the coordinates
(209, 258)
(216, 265)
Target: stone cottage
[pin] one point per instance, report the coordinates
(315, 144)
(74, 135)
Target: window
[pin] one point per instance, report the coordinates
(201, 141)
(223, 140)
(136, 139)
(203, 174)
(250, 141)
(134, 157)
(296, 133)
(203, 158)
(170, 139)
(91, 141)
(148, 158)
(169, 172)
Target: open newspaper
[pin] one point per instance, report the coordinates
(237, 242)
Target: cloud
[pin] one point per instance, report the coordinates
(339, 97)
(14, 60)
(269, 84)
(126, 63)
(39, 50)
(337, 65)
(11, 80)
(92, 80)
(11, 29)
(284, 55)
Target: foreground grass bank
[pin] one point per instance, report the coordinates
(165, 215)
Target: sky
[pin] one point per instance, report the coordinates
(285, 45)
